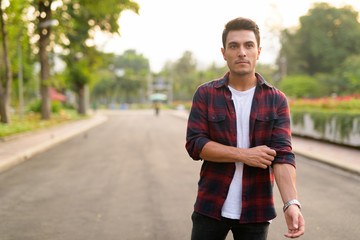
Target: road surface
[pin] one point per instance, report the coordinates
(131, 179)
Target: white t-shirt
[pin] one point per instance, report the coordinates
(242, 102)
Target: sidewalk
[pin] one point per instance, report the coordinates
(337, 156)
(342, 157)
(15, 151)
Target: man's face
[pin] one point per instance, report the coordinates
(241, 52)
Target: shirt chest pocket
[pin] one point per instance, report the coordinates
(216, 117)
(266, 117)
(217, 124)
(264, 124)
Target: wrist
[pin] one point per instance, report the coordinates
(291, 202)
(241, 155)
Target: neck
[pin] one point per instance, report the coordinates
(242, 82)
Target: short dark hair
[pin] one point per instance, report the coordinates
(241, 24)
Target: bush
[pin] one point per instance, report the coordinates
(343, 110)
(348, 103)
(35, 106)
(32, 121)
(301, 86)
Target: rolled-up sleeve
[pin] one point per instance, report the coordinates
(281, 134)
(197, 128)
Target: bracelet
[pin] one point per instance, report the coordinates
(291, 202)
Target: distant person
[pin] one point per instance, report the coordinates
(157, 106)
(239, 125)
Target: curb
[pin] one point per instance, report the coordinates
(302, 152)
(52, 138)
(329, 162)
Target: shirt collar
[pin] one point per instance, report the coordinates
(224, 81)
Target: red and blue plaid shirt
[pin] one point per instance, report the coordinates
(212, 118)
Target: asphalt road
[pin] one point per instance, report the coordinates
(131, 179)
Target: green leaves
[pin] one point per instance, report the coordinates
(338, 113)
(326, 46)
(350, 73)
(301, 86)
(327, 35)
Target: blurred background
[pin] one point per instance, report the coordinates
(61, 59)
(113, 62)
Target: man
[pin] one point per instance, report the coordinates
(240, 126)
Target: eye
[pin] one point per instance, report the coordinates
(250, 45)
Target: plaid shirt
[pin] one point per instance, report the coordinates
(213, 118)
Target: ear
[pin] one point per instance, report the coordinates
(259, 51)
(223, 53)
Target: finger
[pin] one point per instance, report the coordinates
(265, 164)
(295, 223)
(272, 152)
(293, 234)
(301, 226)
(301, 230)
(269, 162)
(269, 158)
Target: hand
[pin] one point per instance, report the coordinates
(260, 156)
(295, 222)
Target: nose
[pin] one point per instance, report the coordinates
(242, 52)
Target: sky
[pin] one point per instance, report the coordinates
(165, 29)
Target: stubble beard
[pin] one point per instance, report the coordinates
(242, 72)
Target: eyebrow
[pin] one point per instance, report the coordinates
(233, 43)
(236, 43)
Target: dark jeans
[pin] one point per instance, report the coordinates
(206, 228)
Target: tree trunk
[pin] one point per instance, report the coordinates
(81, 100)
(44, 32)
(5, 91)
(4, 109)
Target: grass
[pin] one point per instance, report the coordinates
(32, 121)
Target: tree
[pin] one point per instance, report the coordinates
(326, 36)
(134, 69)
(20, 53)
(349, 75)
(6, 89)
(268, 72)
(212, 72)
(121, 78)
(104, 89)
(300, 86)
(130, 59)
(184, 74)
(44, 29)
(80, 19)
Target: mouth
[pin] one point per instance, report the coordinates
(241, 62)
